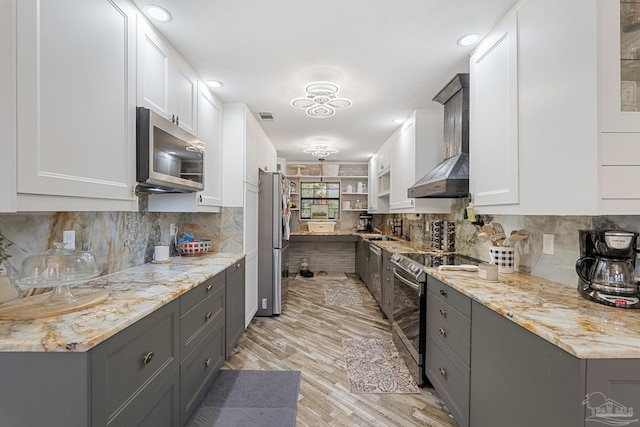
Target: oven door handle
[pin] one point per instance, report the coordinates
(415, 286)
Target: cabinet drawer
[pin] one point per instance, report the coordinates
(196, 323)
(197, 370)
(449, 326)
(136, 359)
(457, 300)
(450, 377)
(159, 408)
(200, 292)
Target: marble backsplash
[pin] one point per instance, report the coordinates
(559, 267)
(119, 240)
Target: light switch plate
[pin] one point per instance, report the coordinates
(547, 244)
(69, 239)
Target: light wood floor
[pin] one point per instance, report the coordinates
(308, 337)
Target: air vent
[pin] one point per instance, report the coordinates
(266, 116)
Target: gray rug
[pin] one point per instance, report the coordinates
(347, 294)
(249, 398)
(375, 366)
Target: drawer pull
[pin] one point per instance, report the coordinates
(442, 332)
(208, 316)
(443, 292)
(209, 288)
(443, 313)
(147, 358)
(207, 362)
(443, 372)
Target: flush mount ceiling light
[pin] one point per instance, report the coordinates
(320, 150)
(159, 13)
(321, 101)
(468, 40)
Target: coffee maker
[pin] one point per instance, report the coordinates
(364, 223)
(606, 268)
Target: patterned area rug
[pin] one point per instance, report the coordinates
(247, 398)
(375, 366)
(347, 294)
(324, 275)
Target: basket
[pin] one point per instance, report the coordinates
(195, 248)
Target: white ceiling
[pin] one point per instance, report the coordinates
(389, 57)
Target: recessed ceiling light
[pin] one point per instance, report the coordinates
(214, 84)
(158, 13)
(468, 40)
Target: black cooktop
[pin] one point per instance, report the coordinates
(436, 259)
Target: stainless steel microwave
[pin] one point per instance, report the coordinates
(169, 159)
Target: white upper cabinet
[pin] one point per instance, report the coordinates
(210, 132)
(493, 118)
(267, 154)
(75, 114)
(8, 200)
(577, 128)
(166, 83)
(373, 184)
(415, 150)
(242, 136)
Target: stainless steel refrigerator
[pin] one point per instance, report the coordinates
(273, 243)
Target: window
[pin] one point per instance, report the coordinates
(319, 200)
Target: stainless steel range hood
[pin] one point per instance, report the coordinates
(450, 178)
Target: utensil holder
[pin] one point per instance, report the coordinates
(503, 257)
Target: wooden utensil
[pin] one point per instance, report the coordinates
(498, 233)
(484, 236)
(519, 235)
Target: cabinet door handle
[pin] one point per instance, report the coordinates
(443, 372)
(442, 332)
(443, 292)
(443, 313)
(207, 362)
(208, 316)
(147, 358)
(178, 120)
(200, 198)
(173, 118)
(209, 288)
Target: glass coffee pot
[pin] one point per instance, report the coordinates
(613, 276)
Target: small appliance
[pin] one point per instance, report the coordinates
(605, 269)
(168, 158)
(364, 223)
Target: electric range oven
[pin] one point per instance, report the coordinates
(409, 325)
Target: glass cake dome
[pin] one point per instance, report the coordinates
(58, 268)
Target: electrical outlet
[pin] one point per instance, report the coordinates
(547, 244)
(173, 230)
(264, 303)
(69, 239)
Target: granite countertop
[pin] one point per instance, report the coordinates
(551, 310)
(133, 294)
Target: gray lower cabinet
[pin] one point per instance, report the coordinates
(387, 285)
(129, 369)
(448, 347)
(518, 378)
(153, 373)
(235, 296)
(362, 256)
(202, 326)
